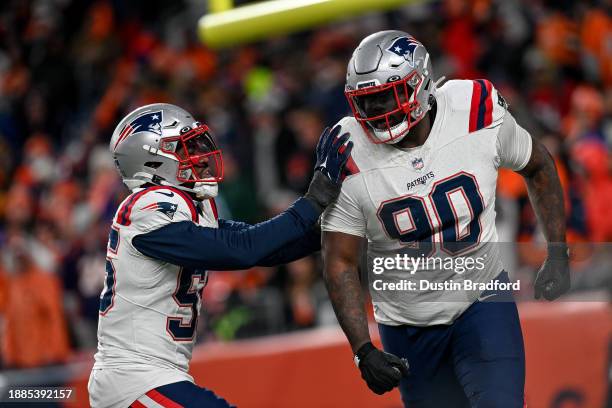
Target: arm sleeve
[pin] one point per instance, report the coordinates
(187, 244)
(345, 215)
(301, 247)
(513, 144)
(233, 225)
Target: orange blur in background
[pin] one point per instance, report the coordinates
(566, 348)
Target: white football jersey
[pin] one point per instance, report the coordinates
(148, 309)
(437, 199)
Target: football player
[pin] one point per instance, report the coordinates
(163, 239)
(423, 173)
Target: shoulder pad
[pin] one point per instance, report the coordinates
(476, 101)
(157, 205)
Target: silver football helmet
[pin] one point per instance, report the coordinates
(389, 81)
(163, 144)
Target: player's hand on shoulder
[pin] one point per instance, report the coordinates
(553, 278)
(382, 371)
(333, 152)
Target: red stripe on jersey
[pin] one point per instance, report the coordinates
(213, 205)
(475, 104)
(138, 404)
(128, 208)
(351, 167)
(162, 399)
(488, 118)
(121, 212)
(123, 216)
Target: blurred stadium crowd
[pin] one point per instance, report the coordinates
(69, 70)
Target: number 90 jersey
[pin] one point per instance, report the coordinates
(148, 308)
(436, 200)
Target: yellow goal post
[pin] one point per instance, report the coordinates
(226, 26)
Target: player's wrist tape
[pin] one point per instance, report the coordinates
(363, 352)
(558, 251)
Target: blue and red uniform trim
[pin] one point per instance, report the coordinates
(183, 394)
(123, 216)
(481, 107)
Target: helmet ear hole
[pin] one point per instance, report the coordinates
(153, 165)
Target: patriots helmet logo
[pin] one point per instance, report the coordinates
(163, 207)
(404, 47)
(148, 122)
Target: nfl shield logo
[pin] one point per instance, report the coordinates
(417, 163)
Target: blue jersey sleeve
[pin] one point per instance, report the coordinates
(187, 244)
(232, 225)
(301, 247)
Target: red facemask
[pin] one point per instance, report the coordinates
(197, 151)
(381, 109)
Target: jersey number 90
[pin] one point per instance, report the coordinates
(407, 219)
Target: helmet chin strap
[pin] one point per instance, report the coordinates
(203, 191)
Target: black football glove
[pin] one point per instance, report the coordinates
(332, 156)
(553, 278)
(382, 371)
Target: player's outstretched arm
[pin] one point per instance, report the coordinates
(294, 250)
(381, 371)
(239, 246)
(301, 247)
(186, 244)
(546, 196)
